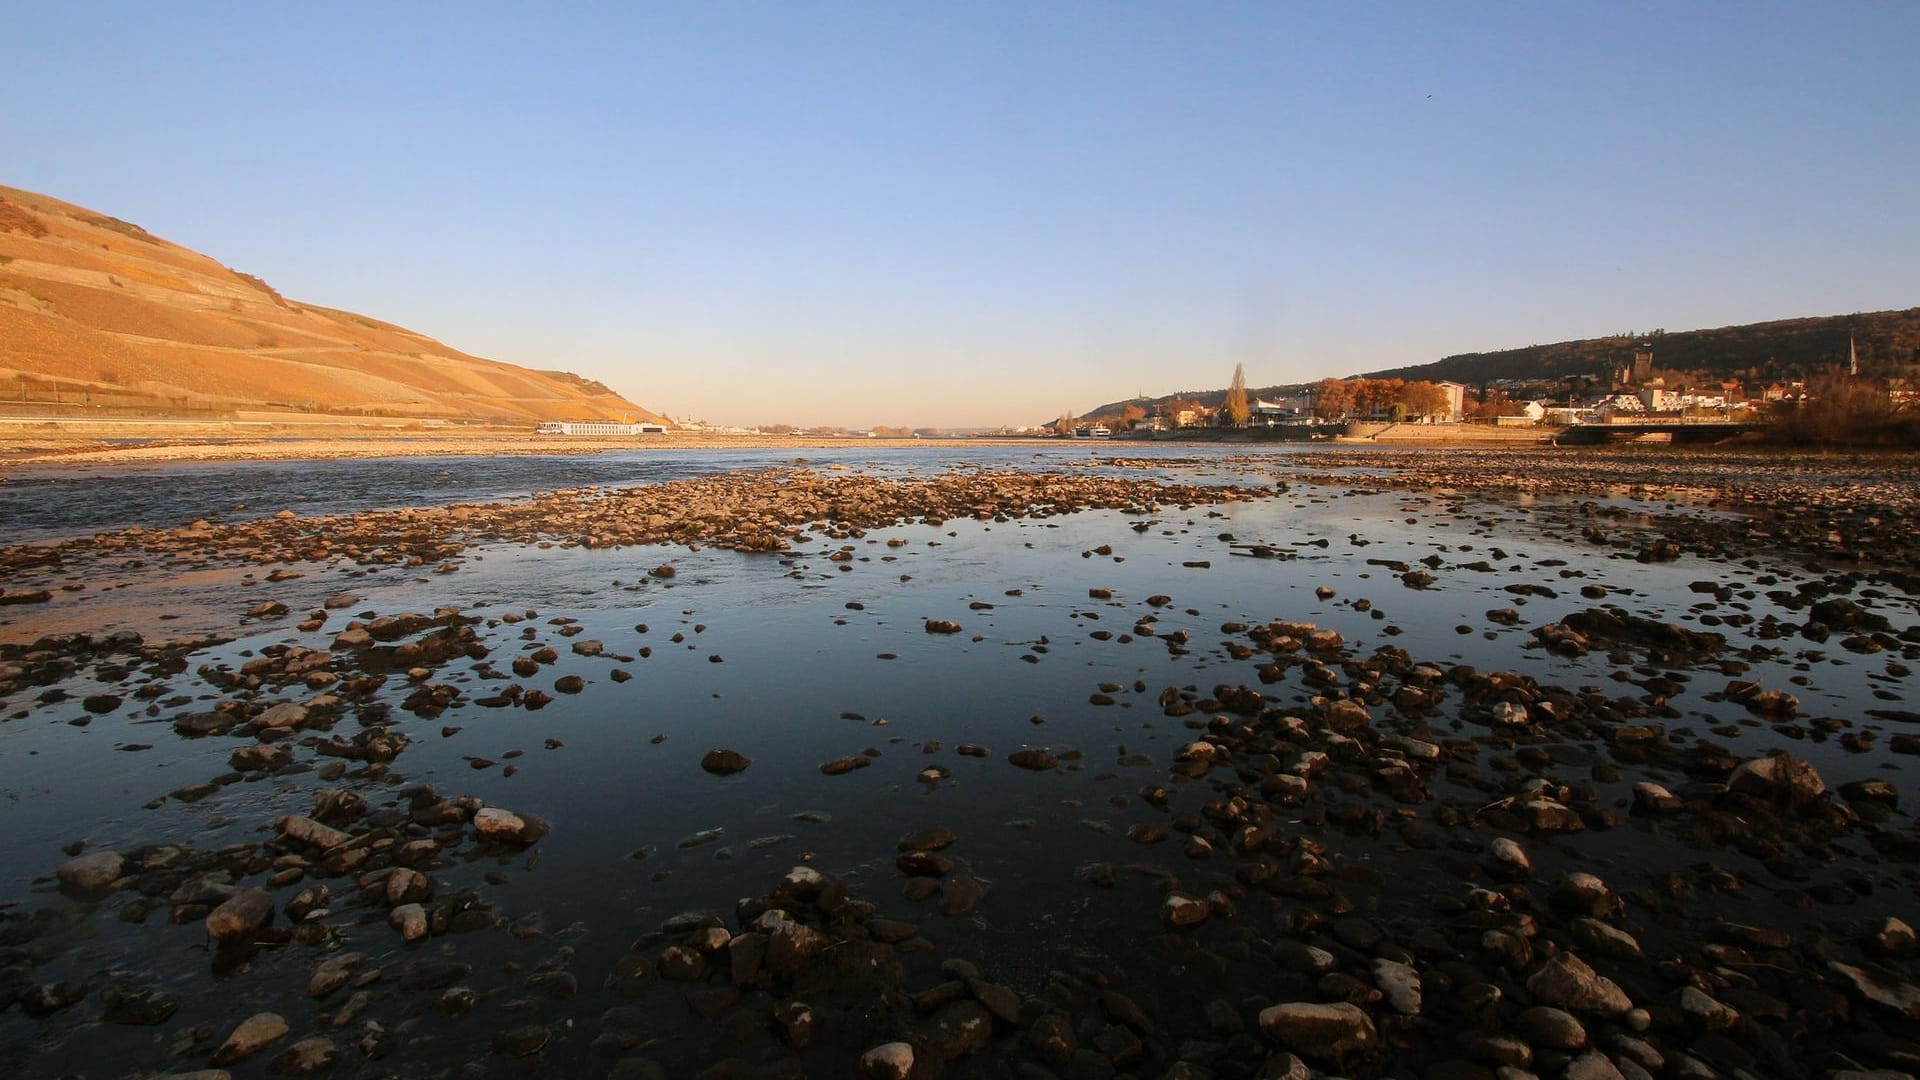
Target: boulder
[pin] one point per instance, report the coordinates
(1780, 777)
(505, 826)
(91, 874)
(1319, 1031)
(1567, 982)
(306, 831)
(240, 916)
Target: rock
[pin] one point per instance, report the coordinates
(1871, 791)
(725, 762)
(332, 973)
(305, 830)
(942, 626)
(1593, 1065)
(284, 715)
(306, 1057)
(1604, 938)
(1548, 815)
(240, 915)
(1347, 714)
(505, 826)
(1511, 714)
(804, 882)
(1781, 778)
(1183, 911)
(410, 920)
(405, 885)
(1651, 798)
(1554, 1029)
(796, 1021)
(254, 1034)
(791, 946)
(1893, 937)
(1400, 984)
(1585, 894)
(960, 894)
(1033, 758)
(1511, 856)
(1705, 1010)
(682, 964)
(91, 874)
(143, 1008)
(49, 998)
(934, 839)
(1318, 1031)
(524, 1041)
(999, 1000)
(1285, 1066)
(1903, 998)
(888, 1061)
(1568, 983)
(957, 1030)
(1052, 1037)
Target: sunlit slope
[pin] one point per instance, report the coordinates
(96, 310)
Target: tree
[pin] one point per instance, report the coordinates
(1131, 416)
(1493, 403)
(1332, 399)
(1422, 398)
(1377, 395)
(1236, 409)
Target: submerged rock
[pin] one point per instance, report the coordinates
(254, 1034)
(725, 762)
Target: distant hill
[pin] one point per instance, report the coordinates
(1888, 342)
(96, 310)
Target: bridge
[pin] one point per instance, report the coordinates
(1678, 431)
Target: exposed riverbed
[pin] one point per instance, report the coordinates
(1175, 763)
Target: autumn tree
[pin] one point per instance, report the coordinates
(1422, 398)
(1131, 416)
(1332, 399)
(1493, 403)
(1235, 408)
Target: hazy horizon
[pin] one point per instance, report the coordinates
(858, 214)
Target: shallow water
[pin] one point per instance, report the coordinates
(795, 662)
(48, 502)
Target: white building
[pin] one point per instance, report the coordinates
(597, 427)
(1456, 400)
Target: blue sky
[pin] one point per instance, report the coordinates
(969, 214)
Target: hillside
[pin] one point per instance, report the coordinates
(100, 314)
(1888, 342)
